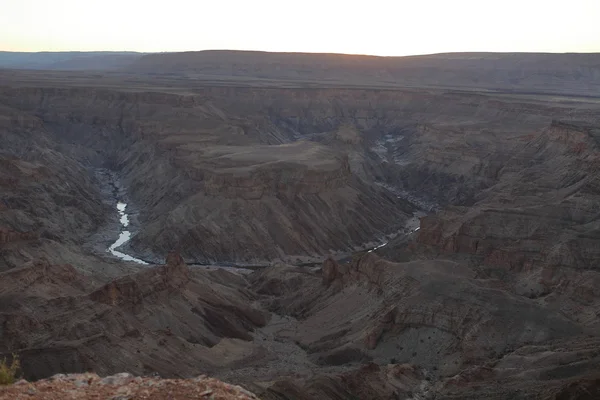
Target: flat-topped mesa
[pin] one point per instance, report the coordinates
(280, 178)
(295, 169)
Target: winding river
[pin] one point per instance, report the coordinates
(124, 236)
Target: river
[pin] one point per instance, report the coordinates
(124, 236)
(412, 225)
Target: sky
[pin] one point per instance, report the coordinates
(378, 27)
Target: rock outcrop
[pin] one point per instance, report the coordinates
(448, 333)
(537, 228)
(47, 199)
(369, 382)
(228, 184)
(123, 386)
(184, 316)
(9, 236)
(288, 170)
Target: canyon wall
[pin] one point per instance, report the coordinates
(219, 155)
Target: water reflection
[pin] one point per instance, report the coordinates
(124, 236)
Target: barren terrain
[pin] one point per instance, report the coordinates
(412, 228)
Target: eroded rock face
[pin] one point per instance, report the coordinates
(123, 291)
(230, 183)
(175, 272)
(532, 215)
(464, 333)
(8, 236)
(370, 381)
(219, 155)
(419, 328)
(181, 314)
(47, 198)
(132, 289)
(331, 271)
(536, 229)
(289, 170)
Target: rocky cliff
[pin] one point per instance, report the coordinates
(48, 199)
(539, 223)
(368, 329)
(55, 317)
(214, 153)
(203, 184)
(462, 332)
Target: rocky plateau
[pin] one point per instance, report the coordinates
(306, 237)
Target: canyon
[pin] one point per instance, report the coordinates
(306, 237)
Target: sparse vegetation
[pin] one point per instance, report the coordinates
(8, 372)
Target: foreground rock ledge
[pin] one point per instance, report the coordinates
(123, 387)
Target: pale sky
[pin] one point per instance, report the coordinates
(377, 27)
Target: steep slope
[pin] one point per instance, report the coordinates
(430, 313)
(538, 227)
(431, 329)
(368, 329)
(49, 203)
(191, 160)
(167, 319)
(196, 148)
(268, 202)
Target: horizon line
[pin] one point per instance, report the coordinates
(297, 52)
